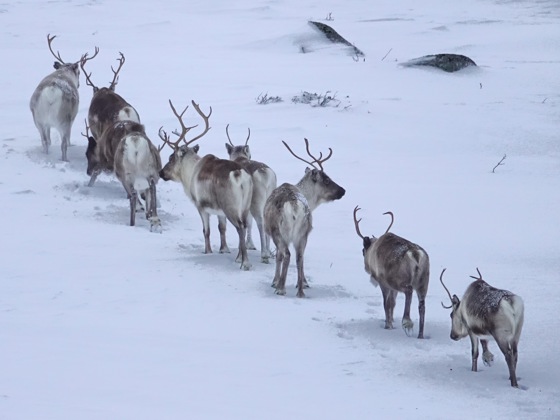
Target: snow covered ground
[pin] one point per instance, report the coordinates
(100, 320)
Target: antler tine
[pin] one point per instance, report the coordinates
(57, 55)
(297, 157)
(249, 135)
(446, 289)
(121, 61)
(88, 80)
(320, 159)
(479, 275)
(357, 222)
(85, 58)
(87, 130)
(227, 133)
(392, 219)
(206, 122)
(165, 138)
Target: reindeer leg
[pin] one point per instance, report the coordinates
(474, 352)
(487, 356)
(65, 141)
(45, 133)
(151, 208)
(300, 250)
(279, 259)
(389, 305)
(133, 199)
(421, 313)
(249, 240)
(93, 178)
(265, 240)
(205, 230)
(407, 323)
(508, 351)
(241, 231)
(281, 285)
(222, 224)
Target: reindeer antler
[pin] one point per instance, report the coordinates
(121, 61)
(479, 275)
(82, 63)
(319, 161)
(57, 55)
(392, 219)
(446, 289)
(357, 222)
(246, 141)
(184, 129)
(85, 58)
(87, 130)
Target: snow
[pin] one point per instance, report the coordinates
(100, 320)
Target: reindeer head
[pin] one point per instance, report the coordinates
(368, 241)
(458, 328)
(71, 68)
(91, 155)
(171, 171)
(318, 184)
(235, 152)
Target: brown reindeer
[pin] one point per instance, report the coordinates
(214, 185)
(396, 265)
(264, 182)
(106, 108)
(287, 216)
(54, 103)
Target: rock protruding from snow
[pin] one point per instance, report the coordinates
(335, 37)
(446, 62)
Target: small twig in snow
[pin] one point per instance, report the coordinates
(499, 164)
(385, 56)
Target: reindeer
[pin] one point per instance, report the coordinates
(215, 186)
(264, 181)
(287, 216)
(396, 265)
(106, 108)
(125, 148)
(486, 311)
(54, 103)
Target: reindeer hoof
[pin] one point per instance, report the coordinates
(280, 292)
(246, 266)
(300, 294)
(155, 225)
(225, 250)
(487, 358)
(265, 260)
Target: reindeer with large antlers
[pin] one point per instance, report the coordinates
(486, 311)
(264, 182)
(288, 219)
(106, 108)
(396, 265)
(214, 185)
(54, 103)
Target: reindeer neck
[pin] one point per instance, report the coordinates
(307, 191)
(189, 166)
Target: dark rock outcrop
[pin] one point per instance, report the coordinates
(446, 62)
(335, 37)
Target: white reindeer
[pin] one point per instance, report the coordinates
(288, 220)
(487, 312)
(125, 148)
(264, 182)
(396, 265)
(215, 186)
(54, 103)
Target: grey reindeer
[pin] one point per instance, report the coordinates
(54, 103)
(487, 312)
(106, 108)
(288, 218)
(125, 149)
(396, 265)
(264, 182)
(214, 185)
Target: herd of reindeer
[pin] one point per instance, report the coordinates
(239, 189)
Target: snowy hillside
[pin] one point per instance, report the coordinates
(100, 320)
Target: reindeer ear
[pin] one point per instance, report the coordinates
(195, 148)
(229, 148)
(57, 65)
(367, 242)
(455, 300)
(247, 151)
